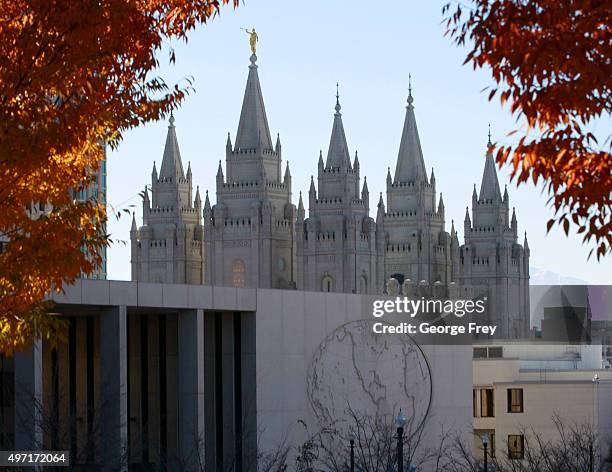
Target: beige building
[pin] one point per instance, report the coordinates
(520, 388)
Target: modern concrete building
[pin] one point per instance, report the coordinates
(520, 388)
(193, 376)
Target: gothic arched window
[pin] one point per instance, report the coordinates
(238, 273)
(327, 284)
(363, 284)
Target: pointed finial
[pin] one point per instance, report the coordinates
(220, 170)
(338, 107)
(134, 228)
(287, 171)
(381, 202)
(207, 206)
(489, 141)
(171, 120)
(410, 99)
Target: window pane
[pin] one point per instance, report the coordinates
(486, 403)
(515, 400)
(515, 446)
(480, 352)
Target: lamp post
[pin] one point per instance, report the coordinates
(352, 433)
(485, 445)
(595, 422)
(400, 422)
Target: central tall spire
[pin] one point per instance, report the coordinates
(253, 130)
(338, 154)
(410, 163)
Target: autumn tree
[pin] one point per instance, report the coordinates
(552, 61)
(74, 77)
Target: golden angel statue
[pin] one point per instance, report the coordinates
(253, 38)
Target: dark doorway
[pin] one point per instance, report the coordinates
(398, 277)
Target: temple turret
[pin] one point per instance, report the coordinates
(168, 247)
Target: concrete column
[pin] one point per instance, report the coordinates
(249, 392)
(228, 388)
(28, 398)
(113, 375)
(210, 397)
(191, 389)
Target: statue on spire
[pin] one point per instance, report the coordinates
(253, 38)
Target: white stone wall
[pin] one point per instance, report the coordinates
(290, 327)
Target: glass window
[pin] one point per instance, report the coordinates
(490, 434)
(516, 446)
(238, 272)
(327, 284)
(495, 352)
(483, 405)
(515, 400)
(480, 353)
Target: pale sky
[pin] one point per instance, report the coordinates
(304, 49)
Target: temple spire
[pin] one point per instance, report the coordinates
(364, 189)
(207, 206)
(171, 166)
(338, 154)
(287, 171)
(198, 199)
(489, 188)
(253, 130)
(410, 165)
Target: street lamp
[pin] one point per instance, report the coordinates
(400, 422)
(485, 444)
(595, 422)
(352, 435)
